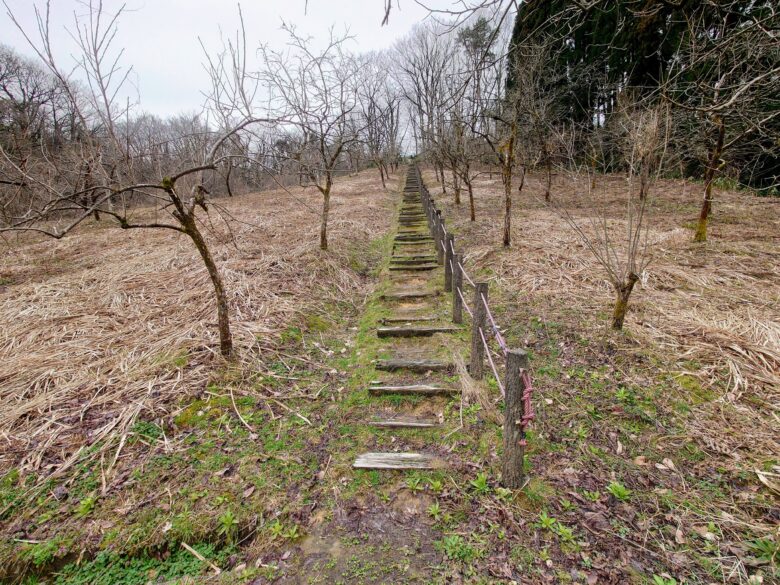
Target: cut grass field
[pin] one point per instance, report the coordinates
(653, 456)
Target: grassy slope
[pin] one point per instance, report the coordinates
(280, 500)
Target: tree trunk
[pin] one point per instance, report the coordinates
(381, 174)
(325, 211)
(548, 168)
(709, 177)
(443, 182)
(456, 186)
(623, 291)
(223, 316)
(506, 176)
(227, 180)
(472, 211)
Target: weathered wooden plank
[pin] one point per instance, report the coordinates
(408, 319)
(414, 331)
(409, 294)
(414, 389)
(416, 268)
(398, 461)
(404, 424)
(412, 365)
(412, 261)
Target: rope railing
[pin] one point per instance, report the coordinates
(516, 389)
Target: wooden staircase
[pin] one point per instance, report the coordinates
(413, 257)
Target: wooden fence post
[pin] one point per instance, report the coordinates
(457, 285)
(449, 242)
(512, 475)
(478, 323)
(439, 238)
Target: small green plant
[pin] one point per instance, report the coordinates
(456, 548)
(504, 494)
(592, 496)
(765, 549)
(619, 491)
(434, 511)
(546, 522)
(658, 580)
(228, 526)
(567, 505)
(43, 553)
(414, 484)
(276, 528)
(565, 533)
(436, 486)
(480, 484)
(86, 506)
(292, 533)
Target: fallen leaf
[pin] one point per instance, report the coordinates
(641, 460)
(249, 491)
(679, 537)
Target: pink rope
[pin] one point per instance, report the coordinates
(465, 304)
(494, 327)
(466, 276)
(490, 360)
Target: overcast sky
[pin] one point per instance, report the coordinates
(160, 37)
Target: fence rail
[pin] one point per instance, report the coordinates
(516, 387)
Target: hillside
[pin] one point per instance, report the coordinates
(126, 436)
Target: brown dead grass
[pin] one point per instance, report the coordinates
(105, 326)
(711, 310)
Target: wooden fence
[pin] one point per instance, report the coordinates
(516, 387)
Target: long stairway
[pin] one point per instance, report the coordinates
(415, 331)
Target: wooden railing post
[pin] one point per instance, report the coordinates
(439, 238)
(457, 285)
(478, 323)
(449, 242)
(512, 475)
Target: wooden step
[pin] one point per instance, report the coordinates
(412, 261)
(418, 268)
(409, 294)
(418, 331)
(415, 319)
(414, 389)
(397, 461)
(392, 365)
(413, 239)
(404, 424)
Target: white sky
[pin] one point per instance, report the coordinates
(160, 37)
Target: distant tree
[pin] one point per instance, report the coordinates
(724, 84)
(316, 93)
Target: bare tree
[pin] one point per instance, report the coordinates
(643, 132)
(724, 84)
(315, 93)
(379, 101)
(102, 171)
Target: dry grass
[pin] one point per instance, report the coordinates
(104, 327)
(694, 379)
(711, 311)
